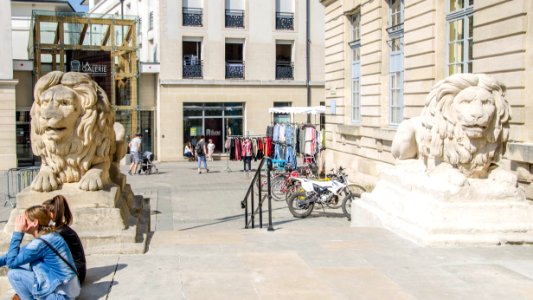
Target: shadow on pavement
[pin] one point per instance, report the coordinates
(96, 290)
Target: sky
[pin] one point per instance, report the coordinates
(77, 6)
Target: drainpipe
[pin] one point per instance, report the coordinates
(307, 58)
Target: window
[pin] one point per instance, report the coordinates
(214, 120)
(460, 23)
(395, 32)
(192, 12)
(234, 60)
(284, 65)
(355, 46)
(234, 14)
(192, 59)
(151, 21)
(282, 118)
(285, 14)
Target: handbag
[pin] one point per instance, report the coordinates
(60, 256)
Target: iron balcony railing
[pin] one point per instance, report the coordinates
(284, 21)
(284, 70)
(193, 70)
(192, 16)
(234, 69)
(234, 18)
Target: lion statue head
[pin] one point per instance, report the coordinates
(465, 123)
(72, 131)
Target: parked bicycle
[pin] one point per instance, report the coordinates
(325, 193)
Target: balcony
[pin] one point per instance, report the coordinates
(192, 70)
(234, 18)
(234, 70)
(192, 16)
(284, 21)
(284, 70)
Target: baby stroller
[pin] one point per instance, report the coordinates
(146, 165)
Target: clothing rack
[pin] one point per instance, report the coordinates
(228, 169)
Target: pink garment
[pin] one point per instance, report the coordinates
(246, 148)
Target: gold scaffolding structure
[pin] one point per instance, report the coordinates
(53, 34)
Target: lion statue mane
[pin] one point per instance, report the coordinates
(465, 123)
(74, 132)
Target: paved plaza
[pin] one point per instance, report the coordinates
(198, 249)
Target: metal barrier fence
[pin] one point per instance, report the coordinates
(15, 180)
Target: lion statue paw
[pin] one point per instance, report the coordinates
(92, 181)
(45, 181)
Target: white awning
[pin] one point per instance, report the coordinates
(298, 110)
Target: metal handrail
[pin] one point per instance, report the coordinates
(249, 210)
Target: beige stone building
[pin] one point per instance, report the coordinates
(225, 63)
(383, 57)
(8, 147)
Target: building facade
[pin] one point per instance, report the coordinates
(225, 63)
(383, 57)
(149, 53)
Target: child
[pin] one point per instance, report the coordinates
(210, 150)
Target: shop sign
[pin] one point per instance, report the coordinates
(95, 63)
(213, 132)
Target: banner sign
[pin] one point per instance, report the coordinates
(95, 63)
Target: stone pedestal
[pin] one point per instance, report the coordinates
(111, 220)
(445, 208)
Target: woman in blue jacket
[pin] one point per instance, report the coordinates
(37, 271)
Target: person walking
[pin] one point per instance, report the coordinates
(210, 150)
(135, 153)
(247, 154)
(201, 151)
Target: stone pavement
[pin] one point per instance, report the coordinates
(199, 250)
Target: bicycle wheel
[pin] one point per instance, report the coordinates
(299, 205)
(277, 185)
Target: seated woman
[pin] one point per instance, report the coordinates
(43, 269)
(62, 217)
(188, 151)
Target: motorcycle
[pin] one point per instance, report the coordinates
(324, 193)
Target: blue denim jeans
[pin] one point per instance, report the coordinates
(22, 282)
(201, 158)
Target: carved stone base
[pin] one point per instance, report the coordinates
(112, 220)
(444, 208)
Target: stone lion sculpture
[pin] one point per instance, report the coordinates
(465, 123)
(73, 131)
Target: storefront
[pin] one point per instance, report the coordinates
(214, 120)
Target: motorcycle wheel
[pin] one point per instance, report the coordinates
(294, 188)
(347, 205)
(299, 206)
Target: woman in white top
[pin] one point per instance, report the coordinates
(210, 150)
(188, 151)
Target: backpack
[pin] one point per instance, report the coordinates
(200, 149)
